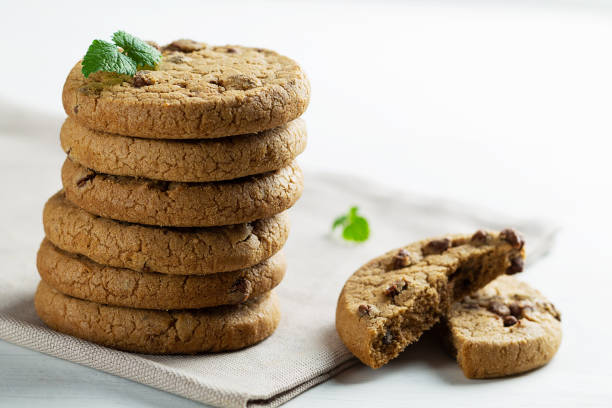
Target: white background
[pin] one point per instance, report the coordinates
(506, 105)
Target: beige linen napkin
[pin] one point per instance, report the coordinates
(304, 351)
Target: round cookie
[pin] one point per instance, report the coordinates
(197, 92)
(390, 301)
(175, 251)
(221, 328)
(77, 276)
(184, 160)
(505, 328)
(164, 203)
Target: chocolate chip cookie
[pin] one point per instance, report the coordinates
(77, 276)
(390, 301)
(178, 251)
(505, 328)
(198, 91)
(184, 160)
(221, 328)
(163, 203)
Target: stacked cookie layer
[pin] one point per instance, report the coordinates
(166, 237)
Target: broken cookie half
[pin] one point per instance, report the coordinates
(505, 328)
(390, 301)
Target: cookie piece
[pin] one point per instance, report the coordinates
(390, 301)
(221, 328)
(505, 328)
(175, 251)
(184, 160)
(197, 92)
(164, 203)
(77, 276)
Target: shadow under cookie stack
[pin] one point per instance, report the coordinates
(167, 235)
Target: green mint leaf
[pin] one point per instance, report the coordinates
(358, 230)
(142, 53)
(104, 56)
(339, 221)
(354, 226)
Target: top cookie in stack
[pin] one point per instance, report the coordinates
(172, 173)
(197, 92)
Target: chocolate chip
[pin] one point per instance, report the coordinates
(436, 246)
(510, 321)
(243, 287)
(511, 236)
(458, 242)
(395, 288)
(480, 237)
(364, 310)
(185, 46)
(231, 51)
(516, 266)
(516, 310)
(76, 109)
(387, 338)
(401, 259)
(142, 78)
(498, 308)
(138, 82)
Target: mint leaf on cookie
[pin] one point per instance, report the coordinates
(354, 226)
(104, 56)
(142, 53)
(134, 54)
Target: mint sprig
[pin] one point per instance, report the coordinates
(354, 226)
(134, 54)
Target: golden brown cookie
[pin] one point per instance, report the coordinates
(176, 251)
(390, 301)
(221, 328)
(174, 204)
(77, 276)
(505, 328)
(198, 92)
(184, 160)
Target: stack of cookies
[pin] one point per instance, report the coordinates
(166, 237)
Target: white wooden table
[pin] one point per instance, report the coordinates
(506, 106)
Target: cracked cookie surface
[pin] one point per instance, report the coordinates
(184, 160)
(390, 301)
(163, 203)
(221, 328)
(198, 91)
(179, 251)
(79, 277)
(505, 328)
